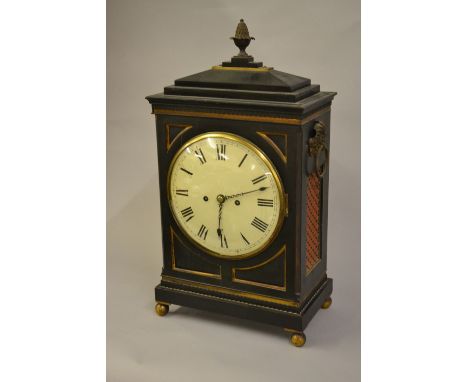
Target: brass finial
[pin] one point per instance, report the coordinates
(242, 38)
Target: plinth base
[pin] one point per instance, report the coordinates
(289, 318)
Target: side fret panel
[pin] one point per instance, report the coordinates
(313, 223)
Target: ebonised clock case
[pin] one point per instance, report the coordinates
(279, 113)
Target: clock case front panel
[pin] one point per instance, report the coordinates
(278, 286)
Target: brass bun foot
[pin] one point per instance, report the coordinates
(298, 339)
(326, 304)
(161, 309)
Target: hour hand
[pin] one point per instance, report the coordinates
(219, 231)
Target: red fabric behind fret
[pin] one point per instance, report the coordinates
(313, 223)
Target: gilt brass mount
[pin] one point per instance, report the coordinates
(161, 309)
(298, 339)
(318, 149)
(242, 38)
(327, 303)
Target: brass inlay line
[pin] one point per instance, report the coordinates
(291, 330)
(265, 136)
(315, 115)
(163, 302)
(312, 269)
(241, 117)
(286, 203)
(175, 268)
(238, 117)
(211, 297)
(241, 69)
(282, 251)
(232, 292)
(168, 128)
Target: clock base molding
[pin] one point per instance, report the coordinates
(287, 317)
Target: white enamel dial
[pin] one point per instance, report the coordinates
(225, 195)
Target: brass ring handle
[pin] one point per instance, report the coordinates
(317, 148)
(320, 170)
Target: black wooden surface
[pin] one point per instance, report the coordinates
(270, 80)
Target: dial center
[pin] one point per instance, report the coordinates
(220, 198)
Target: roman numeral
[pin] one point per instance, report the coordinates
(242, 161)
(265, 202)
(187, 213)
(259, 179)
(223, 240)
(187, 171)
(202, 232)
(245, 239)
(221, 152)
(182, 192)
(259, 224)
(200, 155)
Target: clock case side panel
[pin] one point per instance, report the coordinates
(254, 132)
(311, 279)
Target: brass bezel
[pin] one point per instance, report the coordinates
(274, 173)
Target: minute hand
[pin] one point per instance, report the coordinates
(244, 193)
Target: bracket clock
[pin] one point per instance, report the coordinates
(243, 160)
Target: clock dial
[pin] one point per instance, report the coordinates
(225, 195)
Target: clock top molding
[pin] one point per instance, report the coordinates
(243, 84)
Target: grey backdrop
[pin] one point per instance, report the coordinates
(151, 43)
